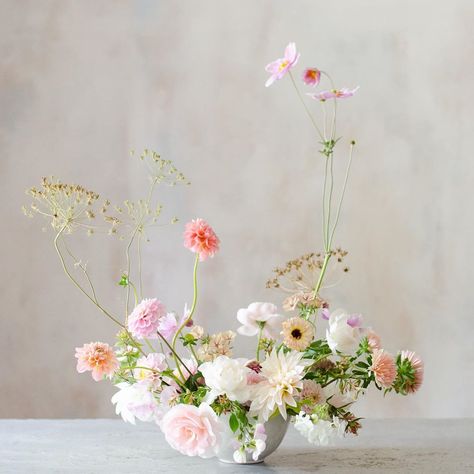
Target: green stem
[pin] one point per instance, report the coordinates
(176, 357)
(348, 169)
(310, 115)
(322, 273)
(193, 307)
(84, 292)
(258, 342)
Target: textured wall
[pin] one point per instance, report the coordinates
(82, 83)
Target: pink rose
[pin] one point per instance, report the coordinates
(194, 431)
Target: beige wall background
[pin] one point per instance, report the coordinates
(82, 83)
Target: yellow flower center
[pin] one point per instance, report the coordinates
(283, 65)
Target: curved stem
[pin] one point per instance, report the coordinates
(191, 312)
(93, 299)
(310, 115)
(176, 357)
(348, 169)
(331, 188)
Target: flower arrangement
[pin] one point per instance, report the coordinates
(169, 370)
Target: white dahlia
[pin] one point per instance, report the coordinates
(282, 379)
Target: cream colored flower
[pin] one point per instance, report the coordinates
(306, 298)
(219, 344)
(282, 379)
(197, 332)
(297, 333)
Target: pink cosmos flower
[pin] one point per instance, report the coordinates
(200, 238)
(193, 431)
(373, 340)
(384, 367)
(418, 366)
(281, 66)
(98, 357)
(169, 324)
(334, 94)
(311, 76)
(145, 318)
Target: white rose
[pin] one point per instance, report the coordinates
(259, 315)
(342, 336)
(226, 376)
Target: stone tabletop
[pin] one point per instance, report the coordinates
(111, 446)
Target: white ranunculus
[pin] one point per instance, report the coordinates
(226, 376)
(259, 315)
(342, 336)
(135, 401)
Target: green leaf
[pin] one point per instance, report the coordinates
(233, 423)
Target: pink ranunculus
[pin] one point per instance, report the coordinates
(193, 431)
(311, 76)
(281, 66)
(384, 367)
(200, 238)
(334, 94)
(98, 357)
(145, 318)
(418, 367)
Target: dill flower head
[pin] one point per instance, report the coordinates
(68, 206)
(301, 274)
(297, 333)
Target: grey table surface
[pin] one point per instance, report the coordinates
(111, 446)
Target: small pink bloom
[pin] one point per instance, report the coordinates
(281, 66)
(149, 368)
(98, 357)
(193, 431)
(311, 76)
(418, 366)
(373, 339)
(325, 314)
(355, 320)
(145, 319)
(168, 325)
(384, 367)
(200, 238)
(334, 94)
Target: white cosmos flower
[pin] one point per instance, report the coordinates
(226, 376)
(282, 378)
(318, 431)
(344, 332)
(135, 401)
(259, 315)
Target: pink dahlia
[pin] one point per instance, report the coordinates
(418, 367)
(145, 318)
(311, 76)
(384, 367)
(200, 238)
(334, 94)
(98, 357)
(281, 66)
